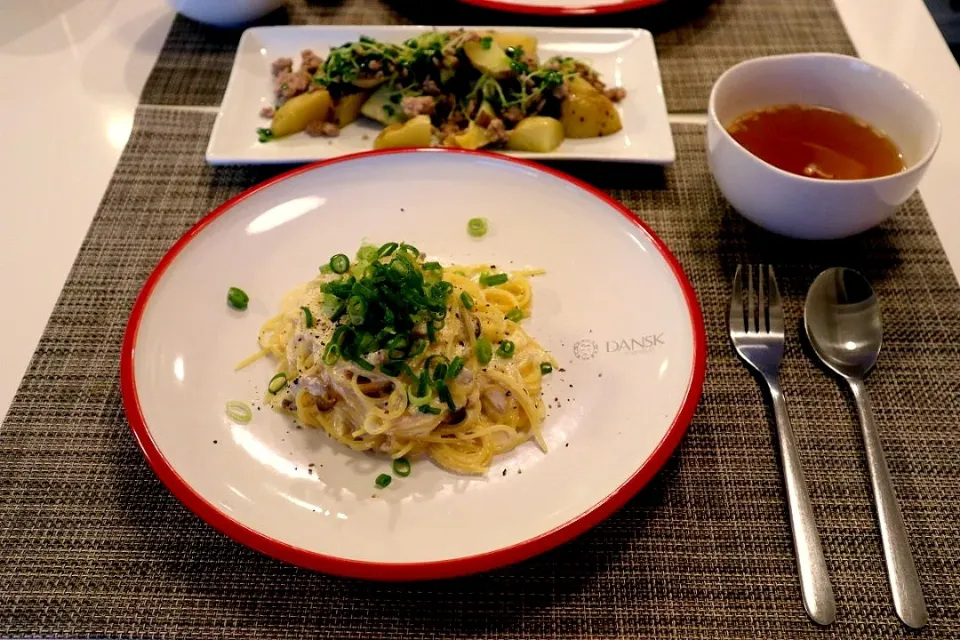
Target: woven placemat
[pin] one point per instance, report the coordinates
(92, 545)
(195, 62)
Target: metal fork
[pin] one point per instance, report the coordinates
(756, 329)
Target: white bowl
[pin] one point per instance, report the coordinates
(225, 13)
(811, 208)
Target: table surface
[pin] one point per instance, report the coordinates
(74, 129)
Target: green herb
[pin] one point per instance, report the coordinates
(477, 227)
(514, 314)
(506, 349)
(367, 253)
(331, 355)
(429, 409)
(492, 280)
(467, 300)
(401, 467)
(387, 249)
(367, 40)
(486, 42)
(456, 366)
(546, 368)
(339, 263)
(265, 135)
(484, 351)
(390, 110)
(443, 392)
(308, 317)
(237, 298)
(383, 481)
(411, 43)
(277, 382)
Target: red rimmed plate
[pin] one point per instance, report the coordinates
(614, 308)
(563, 7)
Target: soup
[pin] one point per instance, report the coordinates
(817, 142)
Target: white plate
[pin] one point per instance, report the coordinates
(614, 308)
(624, 57)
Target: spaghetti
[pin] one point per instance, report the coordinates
(397, 355)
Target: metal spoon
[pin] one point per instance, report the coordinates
(842, 320)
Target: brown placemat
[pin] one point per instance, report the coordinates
(194, 65)
(92, 545)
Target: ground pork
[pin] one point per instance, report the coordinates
(417, 105)
(280, 65)
(496, 131)
(267, 112)
(430, 87)
(616, 94)
(321, 128)
(513, 114)
(289, 84)
(309, 61)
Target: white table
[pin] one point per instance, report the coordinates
(61, 139)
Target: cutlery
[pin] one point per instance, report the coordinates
(756, 329)
(842, 320)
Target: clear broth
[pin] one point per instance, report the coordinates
(817, 142)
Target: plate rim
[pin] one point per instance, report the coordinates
(406, 571)
(216, 157)
(539, 10)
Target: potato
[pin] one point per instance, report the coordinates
(415, 132)
(536, 133)
(587, 113)
(491, 60)
(296, 113)
(381, 106)
(347, 108)
(515, 39)
(475, 137)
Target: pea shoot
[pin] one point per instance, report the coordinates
(237, 298)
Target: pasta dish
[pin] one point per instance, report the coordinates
(463, 89)
(392, 353)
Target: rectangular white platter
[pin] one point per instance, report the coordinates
(623, 57)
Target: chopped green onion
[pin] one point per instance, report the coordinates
(339, 263)
(331, 355)
(484, 351)
(356, 309)
(277, 382)
(325, 268)
(546, 368)
(401, 467)
(467, 300)
(431, 266)
(409, 248)
(492, 280)
(367, 253)
(418, 347)
(239, 412)
(367, 40)
(392, 368)
(506, 349)
(383, 481)
(443, 391)
(423, 383)
(265, 135)
(477, 227)
(363, 364)
(486, 42)
(515, 314)
(411, 43)
(387, 249)
(456, 366)
(237, 298)
(418, 399)
(429, 409)
(308, 317)
(440, 372)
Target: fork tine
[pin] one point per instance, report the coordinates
(775, 306)
(751, 308)
(761, 301)
(736, 302)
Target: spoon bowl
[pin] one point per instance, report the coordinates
(842, 320)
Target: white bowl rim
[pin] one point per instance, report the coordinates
(829, 184)
(409, 571)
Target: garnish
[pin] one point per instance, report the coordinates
(477, 227)
(237, 298)
(239, 412)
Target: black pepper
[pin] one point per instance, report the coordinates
(214, 442)
(504, 472)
